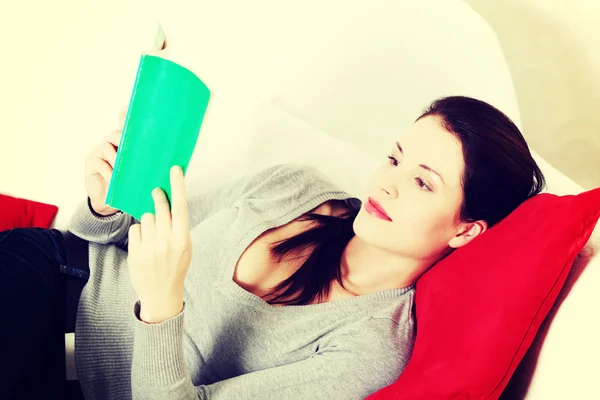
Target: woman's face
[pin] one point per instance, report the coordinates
(420, 189)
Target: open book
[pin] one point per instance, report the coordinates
(162, 124)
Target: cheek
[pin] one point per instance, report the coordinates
(418, 214)
(417, 229)
(433, 223)
(427, 220)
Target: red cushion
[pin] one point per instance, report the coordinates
(478, 310)
(22, 213)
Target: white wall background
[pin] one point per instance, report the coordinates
(553, 51)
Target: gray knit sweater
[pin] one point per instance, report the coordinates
(228, 343)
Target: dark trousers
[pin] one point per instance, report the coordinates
(39, 292)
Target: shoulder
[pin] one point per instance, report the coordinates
(289, 181)
(284, 189)
(292, 173)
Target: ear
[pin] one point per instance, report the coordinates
(468, 231)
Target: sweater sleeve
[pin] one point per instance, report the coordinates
(114, 229)
(355, 365)
(96, 228)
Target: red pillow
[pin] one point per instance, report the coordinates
(478, 310)
(22, 213)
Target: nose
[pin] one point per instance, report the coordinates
(389, 186)
(390, 191)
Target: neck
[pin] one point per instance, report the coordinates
(368, 269)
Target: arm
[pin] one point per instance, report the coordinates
(93, 227)
(114, 229)
(260, 184)
(356, 365)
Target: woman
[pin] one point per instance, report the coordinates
(295, 290)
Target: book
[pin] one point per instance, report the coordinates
(166, 109)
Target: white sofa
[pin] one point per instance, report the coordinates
(351, 76)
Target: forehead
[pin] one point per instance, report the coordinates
(428, 142)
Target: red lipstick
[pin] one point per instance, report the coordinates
(376, 209)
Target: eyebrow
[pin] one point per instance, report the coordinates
(422, 165)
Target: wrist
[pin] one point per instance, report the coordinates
(102, 211)
(155, 313)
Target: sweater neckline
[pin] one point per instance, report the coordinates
(228, 285)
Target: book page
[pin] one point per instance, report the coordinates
(159, 48)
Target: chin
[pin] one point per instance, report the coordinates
(369, 229)
(384, 235)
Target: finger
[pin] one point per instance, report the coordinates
(163, 214)
(93, 159)
(148, 227)
(114, 138)
(104, 169)
(109, 154)
(122, 115)
(179, 205)
(134, 237)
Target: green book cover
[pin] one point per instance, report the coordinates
(167, 106)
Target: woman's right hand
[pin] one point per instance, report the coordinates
(99, 167)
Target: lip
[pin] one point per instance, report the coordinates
(376, 209)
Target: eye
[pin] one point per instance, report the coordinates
(393, 160)
(423, 185)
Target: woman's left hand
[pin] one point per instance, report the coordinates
(160, 253)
